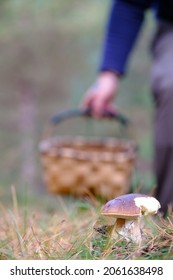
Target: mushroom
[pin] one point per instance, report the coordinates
(124, 213)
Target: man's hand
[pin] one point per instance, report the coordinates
(100, 96)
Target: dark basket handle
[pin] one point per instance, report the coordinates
(56, 119)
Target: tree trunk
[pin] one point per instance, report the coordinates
(27, 125)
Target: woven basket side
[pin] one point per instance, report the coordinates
(85, 168)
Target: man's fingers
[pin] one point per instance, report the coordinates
(98, 107)
(111, 108)
(87, 101)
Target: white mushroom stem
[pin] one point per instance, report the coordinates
(129, 229)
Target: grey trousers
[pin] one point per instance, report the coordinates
(162, 89)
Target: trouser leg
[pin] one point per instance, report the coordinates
(164, 176)
(162, 88)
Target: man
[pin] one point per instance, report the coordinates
(125, 22)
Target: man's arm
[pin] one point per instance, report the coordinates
(124, 24)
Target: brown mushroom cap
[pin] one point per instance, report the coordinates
(131, 206)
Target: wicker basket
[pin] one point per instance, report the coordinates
(93, 167)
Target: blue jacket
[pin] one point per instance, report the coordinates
(124, 24)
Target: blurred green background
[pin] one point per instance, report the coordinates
(49, 56)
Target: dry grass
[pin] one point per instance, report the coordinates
(29, 233)
(34, 233)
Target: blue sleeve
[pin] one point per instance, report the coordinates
(124, 24)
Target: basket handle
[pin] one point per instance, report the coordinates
(56, 119)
